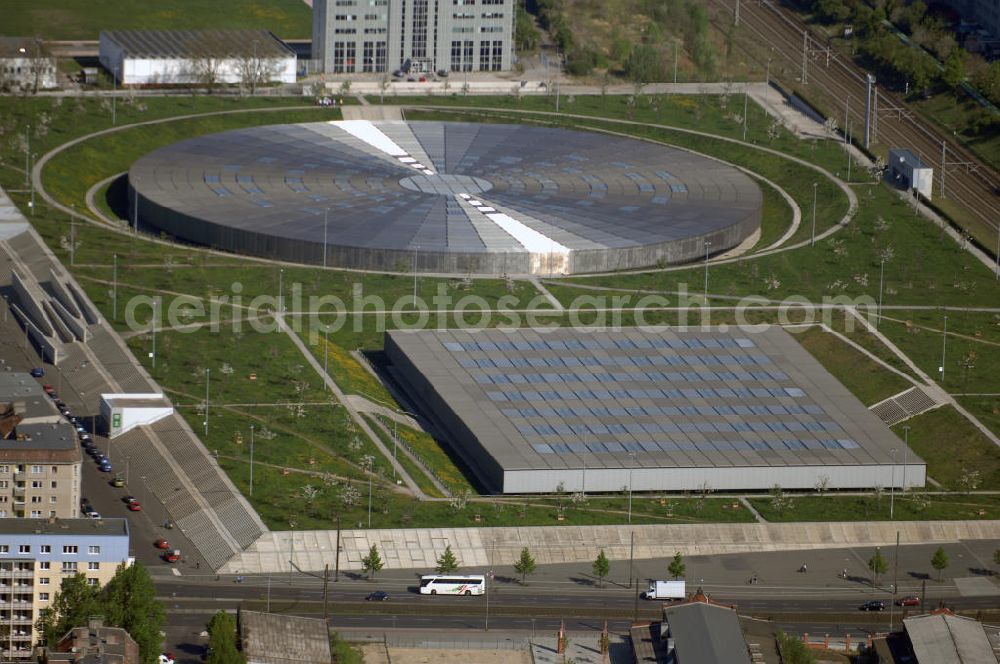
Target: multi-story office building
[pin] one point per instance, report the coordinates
(36, 554)
(39, 453)
(374, 36)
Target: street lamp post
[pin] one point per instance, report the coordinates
(208, 381)
(370, 462)
(892, 485)
(326, 215)
(906, 448)
(152, 356)
(281, 291)
(707, 245)
(114, 285)
(881, 282)
(944, 346)
(813, 240)
(631, 467)
(251, 460)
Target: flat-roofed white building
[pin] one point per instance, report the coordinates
(196, 57)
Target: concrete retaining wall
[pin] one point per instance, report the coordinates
(481, 547)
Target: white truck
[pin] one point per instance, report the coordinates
(665, 590)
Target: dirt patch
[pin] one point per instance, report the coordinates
(375, 654)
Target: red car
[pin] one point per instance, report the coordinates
(161, 544)
(909, 600)
(134, 506)
(48, 389)
(172, 556)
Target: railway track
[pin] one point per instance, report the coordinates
(833, 79)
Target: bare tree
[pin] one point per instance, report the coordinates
(255, 69)
(205, 63)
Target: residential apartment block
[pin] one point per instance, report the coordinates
(36, 554)
(376, 36)
(39, 453)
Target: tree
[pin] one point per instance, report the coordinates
(222, 639)
(939, 561)
(130, 600)
(75, 602)
(254, 69)
(643, 64)
(794, 651)
(525, 565)
(601, 567)
(447, 563)
(372, 563)
(877, 565)
(677, 566)
(205, 63)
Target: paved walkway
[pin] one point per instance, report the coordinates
(419, 548)
(351, 410)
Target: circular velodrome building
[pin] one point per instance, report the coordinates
(445, 197)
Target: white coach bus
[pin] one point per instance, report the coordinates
(466, 584)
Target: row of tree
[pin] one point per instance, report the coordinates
(910, 63)
(128, 601)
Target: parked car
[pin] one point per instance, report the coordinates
(38, 372)
(161, 544)
(48, 389)
(129, 499)
(172, 556)
(134, 506)
(377, 596)
(118, 482)
(909, 600)
(873, 605)
(105, 467)
(93, 514)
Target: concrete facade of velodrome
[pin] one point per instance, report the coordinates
(458, 198)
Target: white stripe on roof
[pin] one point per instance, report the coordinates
(372, 135)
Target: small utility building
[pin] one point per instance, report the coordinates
(906, 171)
(196, 57)
(124, 412)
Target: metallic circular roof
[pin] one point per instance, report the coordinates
(458, 197)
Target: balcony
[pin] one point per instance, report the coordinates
(19, 491)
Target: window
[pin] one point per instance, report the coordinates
(4, 484)
(36, 499)
(3, 499)
(70, 548)
(46, 548)
(36, 514)
(91, 582)
(93, 566)
(94, 550)
(43, 597)
(36, 484)
(24, 548)
(4, 469)
(53, 484)
(37, 470)
(43, 581)
(45, 566)
(53, 499)
(4, 548)
(69, 568)
(54, 469)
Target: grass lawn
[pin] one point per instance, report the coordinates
(865, 378)
(971, 354)
(953, 448)
(926, 268)
(278, 499)
(418, 475)
(79, 19)
(908, 507)
(436, 459)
